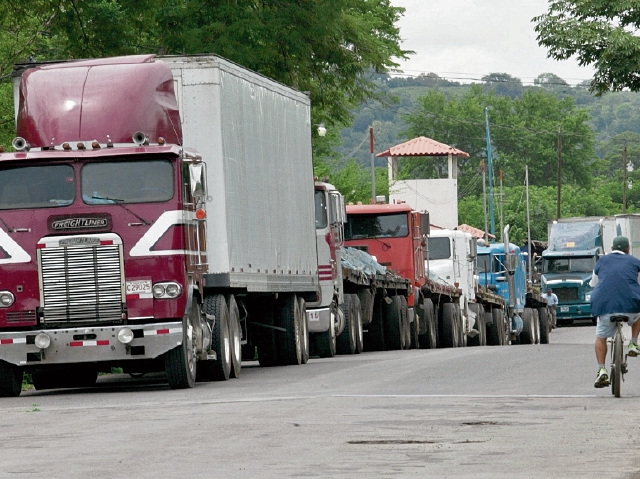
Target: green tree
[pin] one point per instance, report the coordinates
(598, 33)
(322, 46)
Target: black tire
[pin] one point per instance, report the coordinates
(220, 368)
(10, 380)
(406, 326)
(235, 335)
(536, 326)
(449, 336)
(543, 316)
(346, 342)
(180, 362)
(289, 340)
(366, 305)
(394, 325)
(374, 340)
(429, 340)
(462, 336)
(496, 329)
(482, 332)
(326, 341)
(616, 365)
(357, 310)
(304, 331)
(415, 330)
(526, 336)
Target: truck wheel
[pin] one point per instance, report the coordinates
(526, 336)
(220, 368)
(449, 336)
(406, 326)
(235, 334)
(289, 340)
(415, 330)
(428, 340)
(265, 335)
(326, 342)
(543, 316)
(304, 331)
(180, 362)
(374, 339)
(357, 310)
(462, 336)
(10, 380)
(346, 342)
(536, 326)
(496, 332)
(366, 305)
(393, 324)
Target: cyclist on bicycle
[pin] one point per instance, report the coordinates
(617, 291)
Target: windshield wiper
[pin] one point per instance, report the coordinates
(120, 203)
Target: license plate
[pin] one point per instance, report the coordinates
(564, 309)
(139, 286)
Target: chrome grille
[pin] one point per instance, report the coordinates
(81, 283)
(566, 294)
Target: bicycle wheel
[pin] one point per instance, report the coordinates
(616, 364)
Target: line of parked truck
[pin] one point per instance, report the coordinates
(158, 215)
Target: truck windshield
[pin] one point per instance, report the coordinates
(376, 226)
(488, 263)
(439, 248)
(321, 209)
(127, 182)
(43, 186)
(566, 265)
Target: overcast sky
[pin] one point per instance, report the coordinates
(464, 40)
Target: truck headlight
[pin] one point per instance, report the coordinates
(6, 299)
(42, 341)
(587, 297)
(167, 290)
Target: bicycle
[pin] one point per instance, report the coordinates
(618, 365)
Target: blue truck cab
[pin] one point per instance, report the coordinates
(494, 269)
(575, 244)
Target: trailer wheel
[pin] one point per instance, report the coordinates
(543, 316)
(366, 305)
(429, 340)
(449, 336)
(494, 335)
(289, 340)
(235, 334)
(346, 342)
(406, 326)
(536, 326)
(264, 334)
(326, 342)
(527, 336)
(394, 325)
(357, 309)
(10, 380)
(220, 368)
(304, 331)
(180, 362)
(374, 339)
(415, 330)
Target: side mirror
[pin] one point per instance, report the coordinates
(197, 181)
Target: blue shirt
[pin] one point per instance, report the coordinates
(552, 299)
(617, 290)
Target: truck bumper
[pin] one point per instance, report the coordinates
(573, 311)
(318, 320)
(87, 344)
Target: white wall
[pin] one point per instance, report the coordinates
(438, 196)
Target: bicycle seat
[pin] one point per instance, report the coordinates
(619, 318)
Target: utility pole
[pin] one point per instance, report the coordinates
(373, 171)
(559, 197)
(493, 221)
(501, 208)
(526, 181)
(484, 196)
(624, 180)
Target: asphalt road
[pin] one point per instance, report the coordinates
(491, 412)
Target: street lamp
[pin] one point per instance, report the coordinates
(322, 131)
